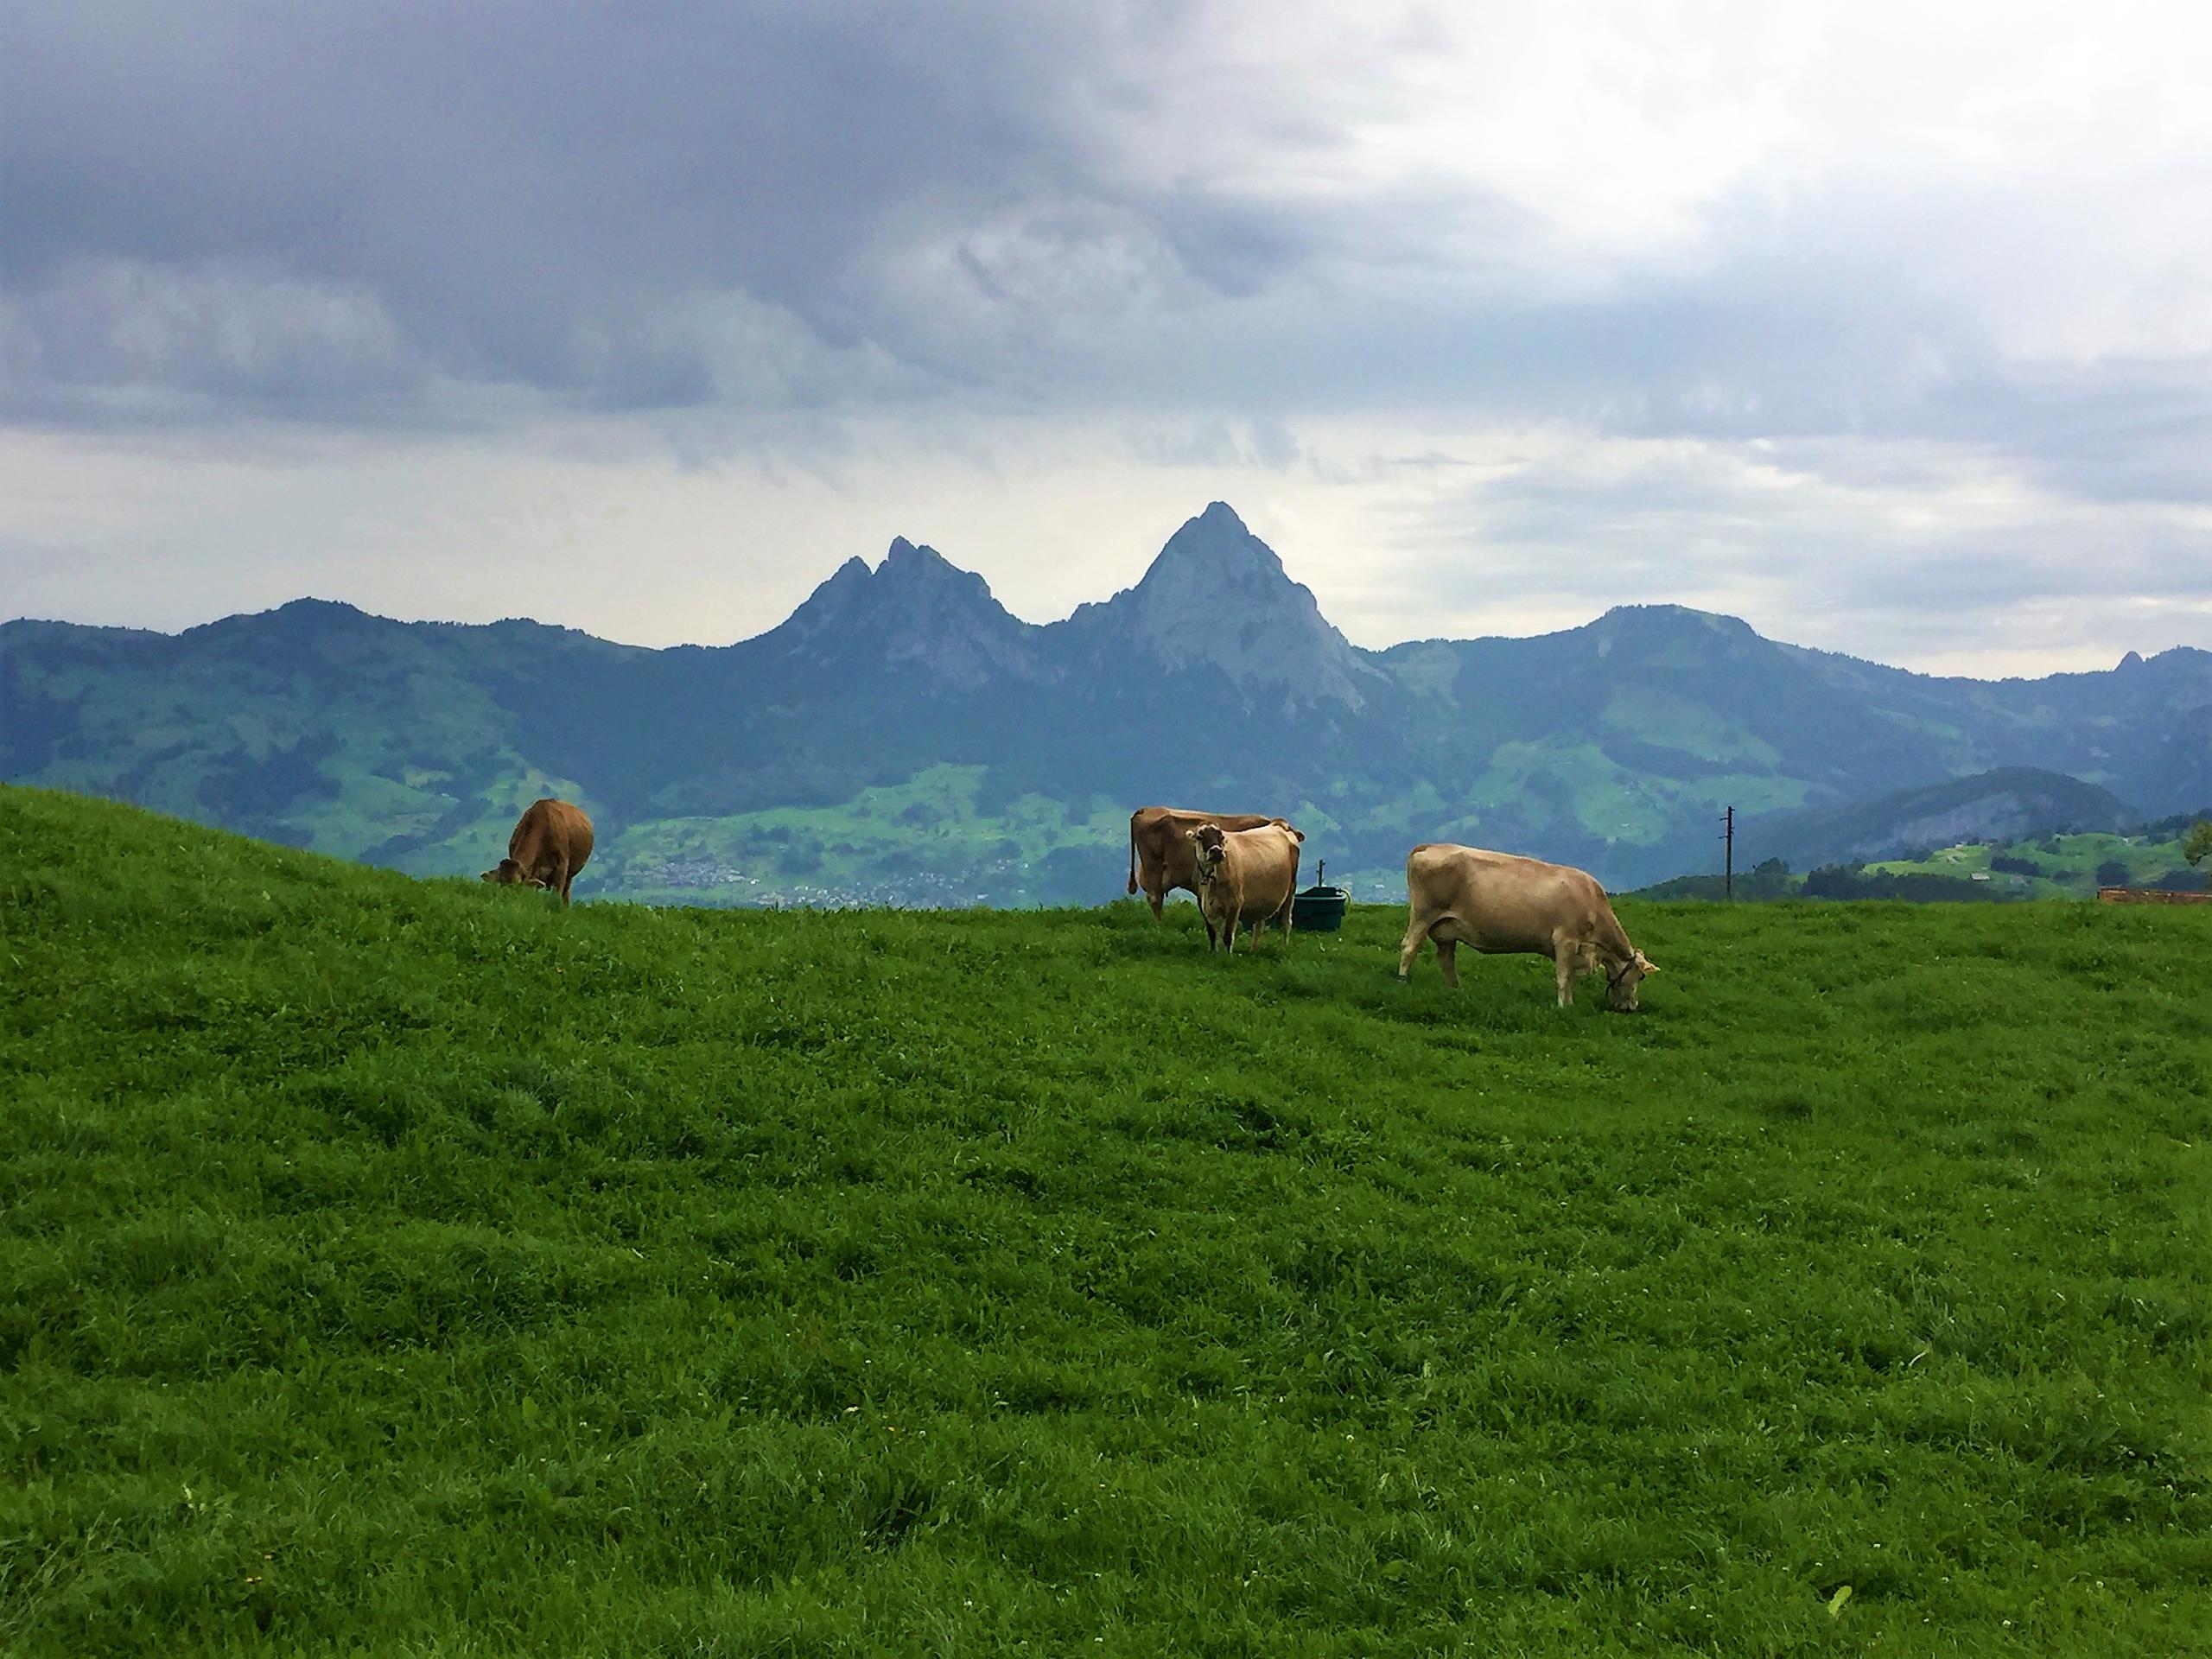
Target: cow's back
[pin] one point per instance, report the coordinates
(1503, 901)
(547, 830)
(1150, 822)
(1264, 859)
(1161, 836)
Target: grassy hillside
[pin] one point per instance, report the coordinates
(417, 1268)
(2055, 866)
(315, 726)
(2071, 867)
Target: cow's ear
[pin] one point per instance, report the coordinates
(1646, 963)
(1190, 835)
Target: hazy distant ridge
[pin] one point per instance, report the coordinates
(902, 736)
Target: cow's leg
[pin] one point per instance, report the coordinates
(1155, 893)
(1447, 958)
(1416, 931)
(1565, 962)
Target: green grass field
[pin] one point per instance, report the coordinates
(414, 1268)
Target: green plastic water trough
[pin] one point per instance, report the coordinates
(1318, 909)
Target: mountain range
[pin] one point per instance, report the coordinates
(2007, 803)
(902, 737)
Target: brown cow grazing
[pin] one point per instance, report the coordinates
(1160, 848)
(551, 842)
(1500, 905)
(1244, 876)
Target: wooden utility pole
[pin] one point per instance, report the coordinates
(1728, 855)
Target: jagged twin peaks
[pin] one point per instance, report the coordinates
(1215, 678)
(917, 609)
(1217, 596)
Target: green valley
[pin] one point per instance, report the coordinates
(903, 738)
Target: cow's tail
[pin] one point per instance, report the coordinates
(1133, 854)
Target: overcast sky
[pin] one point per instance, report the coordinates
(1887, 327)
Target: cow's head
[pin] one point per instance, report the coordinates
(509, 873)
(1623, 978)
(1207, 849)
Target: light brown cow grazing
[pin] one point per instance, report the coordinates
(1244, 876)
(1160, 848)
(551, 842)
(1500, 904)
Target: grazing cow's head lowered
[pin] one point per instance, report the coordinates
(1621, 981)
(509, 873)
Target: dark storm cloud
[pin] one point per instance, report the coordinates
(565, 198)
(425, 213)
(333, 207)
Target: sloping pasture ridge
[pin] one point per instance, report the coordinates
(414, 1268)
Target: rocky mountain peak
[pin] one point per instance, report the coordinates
(908, 571)
(916, 609)
(1216, 549)
(1218, 596)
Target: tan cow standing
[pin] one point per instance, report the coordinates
(1160, 848)
(551, 842)
(1502, 905)
(1244, 876)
